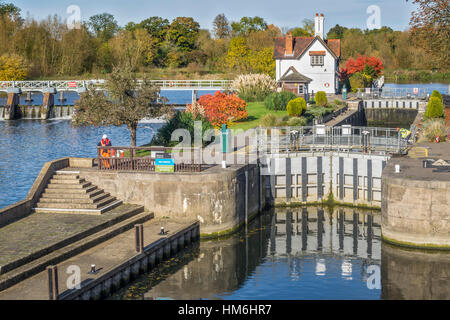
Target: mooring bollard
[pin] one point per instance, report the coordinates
(139, 228)
(53, 292)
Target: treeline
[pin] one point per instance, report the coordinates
(48, 48)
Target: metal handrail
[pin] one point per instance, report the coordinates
(77, 84)
(354, 138)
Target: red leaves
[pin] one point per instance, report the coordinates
(353, 66)
(222, 108)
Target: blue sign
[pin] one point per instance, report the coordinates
(164, 162)
(164, 165)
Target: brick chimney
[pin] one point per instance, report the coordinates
(289, 44)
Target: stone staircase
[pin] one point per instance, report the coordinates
(67, 193)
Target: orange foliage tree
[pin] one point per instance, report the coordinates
(358, 65)
(222, 108)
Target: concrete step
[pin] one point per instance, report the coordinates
(68, 191)
(69, 185)
(79, 243)
(51, 198)
(76, 205)
(97, 211)
(58, 194)
(65, 176)
(67, 181)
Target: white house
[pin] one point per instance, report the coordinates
(307, 64)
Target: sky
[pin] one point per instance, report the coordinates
(285, 13)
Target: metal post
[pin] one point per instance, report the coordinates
(53, 292)
(139, 236)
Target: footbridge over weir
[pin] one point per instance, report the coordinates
(50, 88)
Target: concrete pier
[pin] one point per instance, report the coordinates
(48, 103)
(116, 260)
(416, 200)
(11, 107)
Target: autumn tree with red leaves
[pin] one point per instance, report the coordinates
(368, 68)
(222, 108)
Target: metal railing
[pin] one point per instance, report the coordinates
(321, 137)
(143, 158)
(392, 93)
(73, 85)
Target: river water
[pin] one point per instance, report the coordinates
(296, 254)
(26, 145)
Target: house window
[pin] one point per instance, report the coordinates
(317, 60)
(301, 89)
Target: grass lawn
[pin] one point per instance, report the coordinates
(256, 110)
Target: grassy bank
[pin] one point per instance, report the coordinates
(256, 110)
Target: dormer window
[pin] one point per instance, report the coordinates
(317, 60)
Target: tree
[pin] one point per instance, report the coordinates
(127, 102)
(369, 67)
(9, 9)
(156, 27)
(430, 27)
(247, 25)
(183, 33)
(223, 108)
(337, 32)
(262, 61)
(13, 68)
(221, 27)
(237, 56)
(104, 26)
(321, 98)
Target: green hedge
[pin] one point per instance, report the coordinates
(321, 98)
(296, 107)
(435, 108)
(278, 100)
(436, 94)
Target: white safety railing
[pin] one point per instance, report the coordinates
(340, 138)
(392, 93)
(77, 84)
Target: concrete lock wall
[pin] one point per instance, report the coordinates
(309, 177)
(415, 212)
(221, 199)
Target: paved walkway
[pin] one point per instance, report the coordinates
(106, 255)
(42, 230)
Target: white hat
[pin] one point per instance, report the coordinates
(104, 136)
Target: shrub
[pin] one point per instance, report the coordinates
(269, 120)
(297, 121)
(435, 108)
(278, 100)
(223, 108)
(357, 80)
(437, 94)
(285, 118)
(253, 87)
(321, 98)
(180, 120)
(433, 128)
(296, 107)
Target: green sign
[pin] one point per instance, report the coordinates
(164, 165)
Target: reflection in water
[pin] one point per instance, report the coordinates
(295, 253)
(415, 275)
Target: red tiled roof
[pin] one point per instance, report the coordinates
(300, 45)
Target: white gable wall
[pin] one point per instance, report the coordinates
(319, 74)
